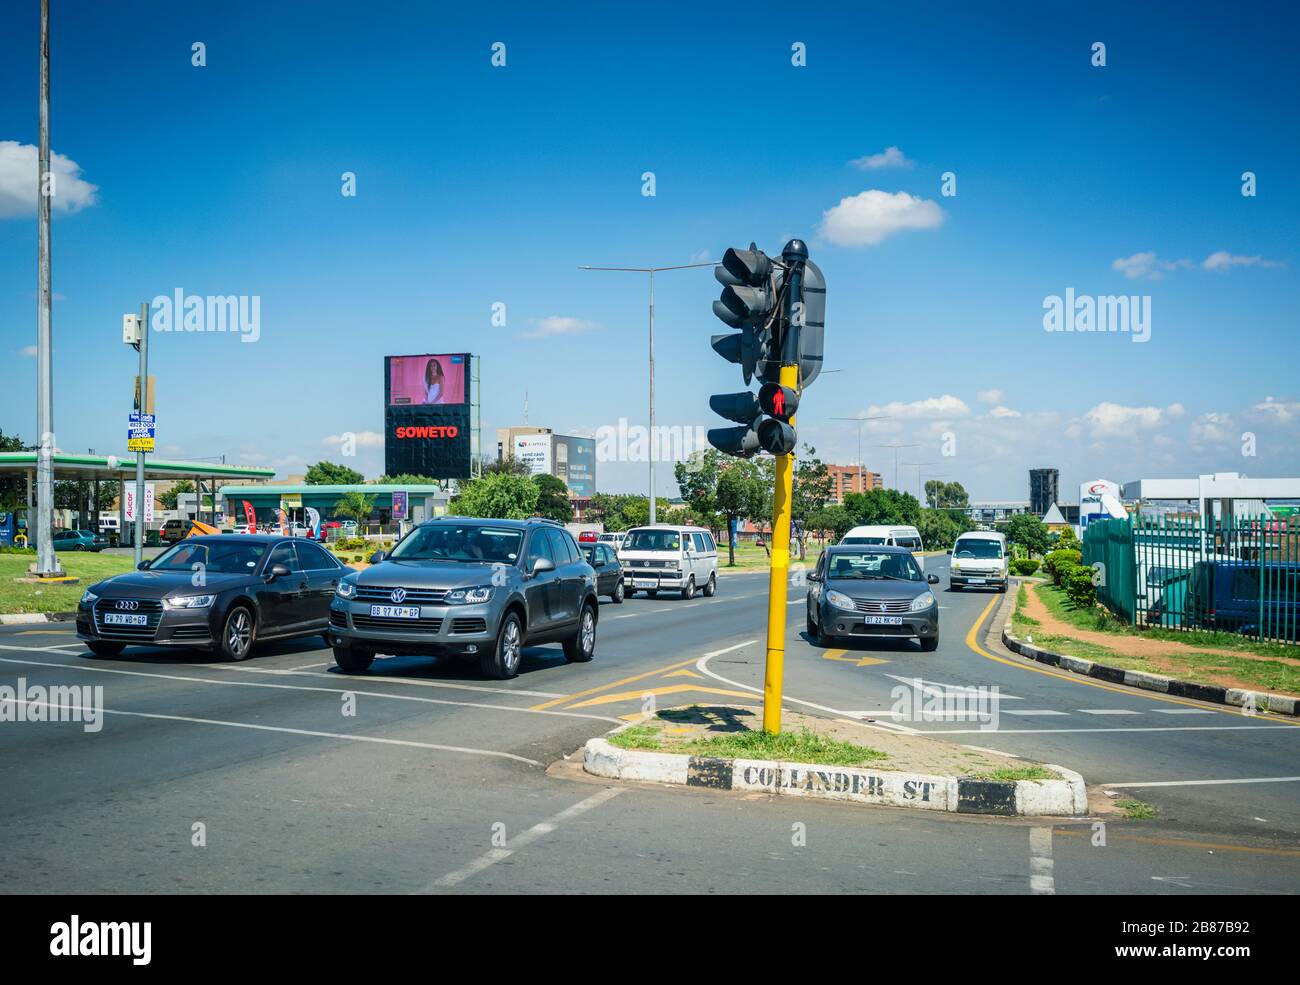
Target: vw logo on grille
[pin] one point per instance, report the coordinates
(128, 604)
(397, 594)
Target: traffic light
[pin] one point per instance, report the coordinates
(742, 442)
(750, 289)
(777, 404)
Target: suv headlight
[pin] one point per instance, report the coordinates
(923, 601)
(89, 597)
(190, 602)
(346, 589)
(469, 596)
(839, 599)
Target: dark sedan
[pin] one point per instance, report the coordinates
(222, 594)
(872, 591)
(609, 572)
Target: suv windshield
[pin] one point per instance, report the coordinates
(977, 547)
(872, 564)
(236, 558)
(460, 542)
(653, 540)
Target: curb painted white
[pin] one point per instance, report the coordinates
(918, 791)
(24, 618)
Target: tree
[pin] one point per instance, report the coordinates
(13, 489)
(946, 495)
(811, 491)
(507, 466)
(328, 474)
(878, 506)
(740, 494)
(1028, 531)
(406, 479)
(168, 498)
(355, 506)
(553, 498)
(939, 528)
(500, 496)
(833, 520)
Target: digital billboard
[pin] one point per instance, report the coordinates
(427, 416)
(427, 380)
(575, 463)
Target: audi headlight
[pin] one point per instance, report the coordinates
(346, 589)
(89, 597)
(839, 599)
(923, 601)
(190, 601)
(469, 596)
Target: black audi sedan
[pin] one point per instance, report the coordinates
(222, 594)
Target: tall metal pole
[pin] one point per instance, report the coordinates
(653, 442)
(47, 564)
(142, 405)
(795, 255)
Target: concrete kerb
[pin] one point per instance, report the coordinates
(1279, 704)
(919, 791)
(31, 618)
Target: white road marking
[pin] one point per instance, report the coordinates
(1036, 711)
(940, 689)
(1042, 878)
(324, 663)
(496, 855)
(303, 687)
(994, 752)
(1117, 728)
(288, 731)
(1182, 711)
(377, 678)
(1107, 711)
(1206, 783)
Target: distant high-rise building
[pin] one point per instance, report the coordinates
(851, 479)
(1043, 489)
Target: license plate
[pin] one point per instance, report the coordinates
(645, 582)
(883, 620)
(396, 611)
(121, 619)
(975, 581)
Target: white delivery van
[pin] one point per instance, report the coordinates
(669, 559)
(885, 536)
(979, 559)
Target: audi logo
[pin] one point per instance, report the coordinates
(397, 594)
(128, 604)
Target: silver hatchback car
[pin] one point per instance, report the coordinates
(472, 589)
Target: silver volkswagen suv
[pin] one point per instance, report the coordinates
(471, 589)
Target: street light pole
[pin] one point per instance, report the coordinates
(47, 564)
(142, 408)
(918, 466)
(651, 271)
(897, 484)
(861, 421)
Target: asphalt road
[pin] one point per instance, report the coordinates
(211, 777)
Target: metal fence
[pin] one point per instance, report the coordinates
(1231, 575)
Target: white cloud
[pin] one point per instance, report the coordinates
(1115, 419)
(1000, 411)
(870, 217)
(559, 325)
(944, 407)
(1214, 428)
(1223, 260)
(701, 256)
(990, 396)
(1147, 265)
(1285, 411)
(30, 350)
(890, 157)
(18, 188)
(363, 439)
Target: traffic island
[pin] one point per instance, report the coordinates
(722, 747)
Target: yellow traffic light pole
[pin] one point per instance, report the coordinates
(779, 577)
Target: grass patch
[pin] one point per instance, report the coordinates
(28, 597)
(793, 745)
(1018, 618)
(1084, 649)
(751, 558)
(1137, 810)
(1030, 772)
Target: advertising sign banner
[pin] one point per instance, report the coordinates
(417, 380)
(399, 505)
(575, 463)
(534, 450)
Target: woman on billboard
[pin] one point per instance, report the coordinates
(433, 382)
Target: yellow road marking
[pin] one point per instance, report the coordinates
(842, 655)
(606, 687)
(685, 673)
(1089, 682)
(609, 699)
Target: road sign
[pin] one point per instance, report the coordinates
(141, 432)
(128, 502)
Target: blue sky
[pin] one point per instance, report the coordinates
(478, 184)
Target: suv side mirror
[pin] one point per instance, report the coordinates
(950, 551)
(543, 564)
(142, 566)
(377, 557)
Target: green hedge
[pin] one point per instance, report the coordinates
(1025, 565)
